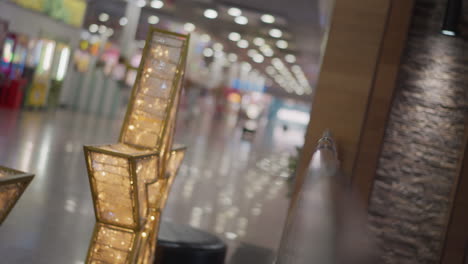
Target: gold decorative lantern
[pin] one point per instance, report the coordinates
(130, 180)
(12, 185)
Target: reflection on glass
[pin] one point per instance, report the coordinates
(130, 180)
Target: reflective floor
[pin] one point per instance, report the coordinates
(228, 185)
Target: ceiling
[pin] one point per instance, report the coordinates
(304, 23)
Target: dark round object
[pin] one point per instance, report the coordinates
(179, 244)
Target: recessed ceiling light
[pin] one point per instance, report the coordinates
(276, 33)
(246, 66)
(93, 28)
(234, 11)
(243, 44)
(282, 44)
(141, 3)
(110, 32)
(218, 46)
(267, 18)
(102, 29)
(234, 36)
(157, 4)
(123, 21)
(252, 52)
(258, 58)
(241, 20)
(232, 57)
(296, 68)
(207, 52)
(268, 52)
(153, 20)
(103, 17)
(259, 41)
(290, 58)
(210, 13)
(189, 27)
(205, 38)
(270, 70)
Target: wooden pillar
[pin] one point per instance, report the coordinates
(356, 84)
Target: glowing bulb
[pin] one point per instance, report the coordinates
(234, 11)
(276, 33)
(210, 13)
(189, 27)
(123, 21)
(258, 58)
(282, 44)
(102, 29)
(259, 41)
(153, 20)
(208, 52)
(157, 4)
(103, 17)
(269, 19)
(290, 58)
(93, 28)
(234, 36)
(141, 3)
(232, 57)
(243, 44)
(241, 20)
(252, 52)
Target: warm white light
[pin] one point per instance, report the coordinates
(205, 38)
(448, 33)
(123, 21)
(276, 33)
(258, 58)
(153, 20)
(218, 46)
(232, 57)
(292, 115)
(103, 17)
(243, 44)
(234, 36)
(241, 20)
(141, 3)
(246, 66)
(252, 52)
(234, 11)
(290, 58)
(259, 41)
(210, 13)
(269, 19)
(109, 32)
(270, 70)
(102, 29)
(282, 44)
(207, 52)
(48, 56)
(93, 28)
(157, 4)
(189, 27)
(63, 63)
(268, 52)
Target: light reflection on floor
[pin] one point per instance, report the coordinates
(229, 186)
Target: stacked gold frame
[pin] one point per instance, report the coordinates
(12, 185)
(130, 180)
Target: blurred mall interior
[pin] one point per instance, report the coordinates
(263, 80)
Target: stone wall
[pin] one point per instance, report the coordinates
(418, 164)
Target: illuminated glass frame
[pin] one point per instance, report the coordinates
(130, 180)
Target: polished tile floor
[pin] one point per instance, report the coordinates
(227, 185)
